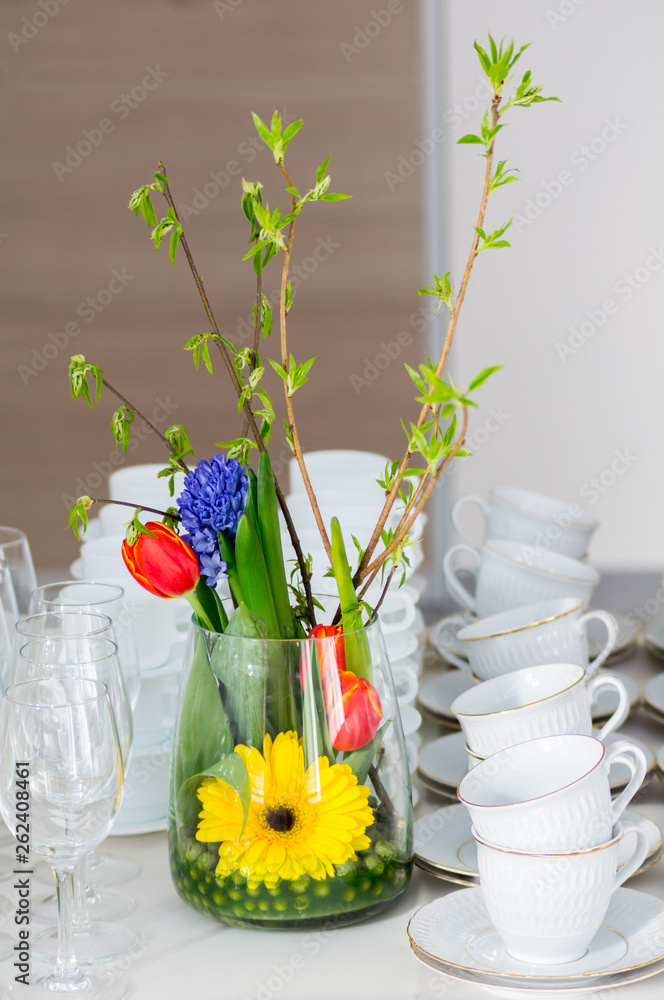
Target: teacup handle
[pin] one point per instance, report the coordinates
(408, 612)
(453, 624)
(457, 507)
(605, 682)
(611, 628)
(638, 857)
(454, 585)
(628, 753)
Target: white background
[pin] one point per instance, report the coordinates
(569, 418)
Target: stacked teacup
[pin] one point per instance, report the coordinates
(538, 788)
(548, 834)
(346, 486)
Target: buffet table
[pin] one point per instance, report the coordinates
(183, 954)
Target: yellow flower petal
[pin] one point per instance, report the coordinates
(299, 822)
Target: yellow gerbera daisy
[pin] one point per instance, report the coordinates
(299, 822)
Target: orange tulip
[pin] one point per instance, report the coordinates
(331, 656)
(164, 564)
(355, 714)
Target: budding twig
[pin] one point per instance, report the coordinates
(364, 567)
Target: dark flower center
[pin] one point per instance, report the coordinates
(281, 819)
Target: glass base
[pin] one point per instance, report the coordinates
(97, 985)
(102, 904)
(366, 887)
(110, 869)
(96, 944)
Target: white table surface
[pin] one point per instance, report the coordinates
(186, 955)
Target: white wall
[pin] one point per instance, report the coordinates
(570, 417)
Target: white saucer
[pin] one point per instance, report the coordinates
(411, 720)
(444, 844)
(660, 760)
(653, 636)
(454, 935)
(135, 829)
(653, 697)
(443, 763)
(436, 696)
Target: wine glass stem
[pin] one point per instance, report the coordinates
(66, 967)
(80, 901)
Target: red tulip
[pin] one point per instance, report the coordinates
(355, 714)
(331, 656)
(164, 564)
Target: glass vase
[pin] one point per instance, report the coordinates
(317, 836)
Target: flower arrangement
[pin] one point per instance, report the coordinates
(286, 749)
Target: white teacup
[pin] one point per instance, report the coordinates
(533, 519)
(510, 575)
(548, 632)
(546, 700)
(547, 908)
(331, 468)
(550, 794)
(141, 484)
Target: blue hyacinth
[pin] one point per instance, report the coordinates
(212, 501)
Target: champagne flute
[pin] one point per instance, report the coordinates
(15, 551)
(108, 599)
(96, 657)
(60, 756)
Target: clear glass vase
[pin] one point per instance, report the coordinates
(301, 833)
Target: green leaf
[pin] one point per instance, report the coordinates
(204, 736)
(470, 138)
(315, 734)
(483, 376)
(79, 512)
(232, 770)
(356, 644)
(290, 132)
(361, 760)
(120, 423)
(270, 536)
(241, 667)
(262, 130)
